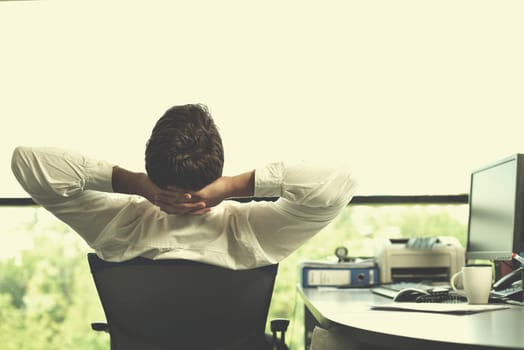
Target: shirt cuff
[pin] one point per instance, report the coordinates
(268, 180)
(99, 175)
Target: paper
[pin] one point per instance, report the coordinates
(460, 309)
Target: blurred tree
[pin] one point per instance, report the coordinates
(47, 297)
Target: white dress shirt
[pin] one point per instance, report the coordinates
(78, 191)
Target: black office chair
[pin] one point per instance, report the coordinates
(180, 304)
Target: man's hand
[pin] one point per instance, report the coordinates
(179, 201)
(174, 201)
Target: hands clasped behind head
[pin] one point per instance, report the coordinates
(179, 202)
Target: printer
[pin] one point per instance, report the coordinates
(419, 259)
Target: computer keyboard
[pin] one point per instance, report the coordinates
(442, 298)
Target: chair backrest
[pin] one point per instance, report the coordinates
(180, 304)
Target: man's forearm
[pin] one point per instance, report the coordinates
(243, 185)
(128, 182)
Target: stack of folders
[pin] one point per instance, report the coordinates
(355, 274)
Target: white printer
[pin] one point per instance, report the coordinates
(422, 258)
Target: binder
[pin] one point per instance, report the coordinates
(338, 274)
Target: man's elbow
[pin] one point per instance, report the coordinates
(20, 165)
(17, 161)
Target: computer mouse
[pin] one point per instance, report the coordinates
(409, 294)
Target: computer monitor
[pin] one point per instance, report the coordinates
(496, 204)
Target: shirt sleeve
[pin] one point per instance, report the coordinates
(49, 174)
(310, 197)
(306, 185)
(75, 188)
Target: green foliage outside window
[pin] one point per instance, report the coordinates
(48, 299)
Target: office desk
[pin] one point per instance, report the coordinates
(348, 311)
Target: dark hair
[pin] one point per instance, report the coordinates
(185, 149)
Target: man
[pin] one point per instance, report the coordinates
(179, 208)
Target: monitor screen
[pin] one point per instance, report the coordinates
(495, 210)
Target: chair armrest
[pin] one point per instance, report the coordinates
(279, 325)
(100, 327)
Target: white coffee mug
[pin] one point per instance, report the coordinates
(477, 280)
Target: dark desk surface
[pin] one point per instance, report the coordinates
(349, 309)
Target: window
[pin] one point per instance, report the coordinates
(47, 294)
